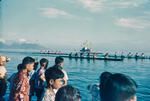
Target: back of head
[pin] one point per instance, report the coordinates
(104, 76)
(102, 80)
(44, 62)
(53, 73)
(27, 60)
(68, 93)
(119, 87)
(59, 60)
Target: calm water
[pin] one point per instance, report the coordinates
(84, 72)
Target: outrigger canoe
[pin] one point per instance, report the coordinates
(94, 58)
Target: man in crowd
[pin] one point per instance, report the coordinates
(20, 85)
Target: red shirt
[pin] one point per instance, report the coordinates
(20, 87)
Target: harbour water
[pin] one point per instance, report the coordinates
(84, 72)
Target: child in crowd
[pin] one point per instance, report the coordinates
(54, 79)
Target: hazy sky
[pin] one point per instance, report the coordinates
(107, 24)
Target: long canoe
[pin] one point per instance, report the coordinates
(96, 58)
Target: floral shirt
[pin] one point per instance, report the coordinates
(20, 87)
(49, 95)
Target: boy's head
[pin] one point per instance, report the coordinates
(28, 63)
(44, 63)
(54, 78)
(68, 93)
(119, 87)
(59, 61)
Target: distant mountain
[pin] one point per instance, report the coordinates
(15, 45)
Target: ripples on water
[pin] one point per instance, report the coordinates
(84, 72)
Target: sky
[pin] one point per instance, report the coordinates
(107, 24)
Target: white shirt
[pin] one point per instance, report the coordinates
(65, 74)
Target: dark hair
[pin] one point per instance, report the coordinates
(104, 76)
(36, 65)
(53, 73)
(119, 87)
(57, 66)
(58, 60)
(19, 67)
(102, 80)
(42, 61)
(68, 93)
(27, 60)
